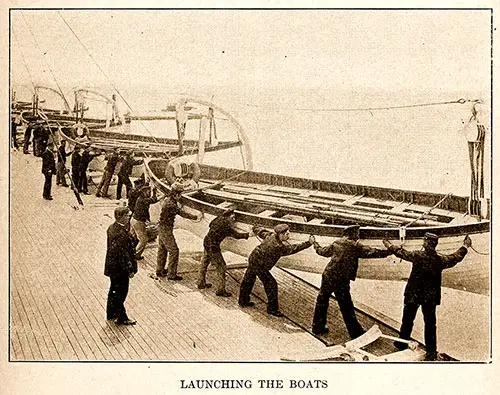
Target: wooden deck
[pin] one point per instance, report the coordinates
(58, 293)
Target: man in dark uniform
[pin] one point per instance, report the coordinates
(109, 170)
(120, 266)
(44, 136)
(424, 287)
(140, 217)
(13, 130)
(124, 174)
(134, 194)
(337, 276)
(27, 137)
(166, 239)
(85, 160)
(48, 170)
(76, 162)
(220, 228)
(61, 164)
(37, 132)
(262, 259)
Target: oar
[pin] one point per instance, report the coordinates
(428, 211)
(217, 184)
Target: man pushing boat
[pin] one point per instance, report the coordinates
(167, 244)
(424, 287)
(262, 259)
(220, 228)
(337, 276)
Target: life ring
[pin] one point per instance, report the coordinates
(187, 174)
(79, 130)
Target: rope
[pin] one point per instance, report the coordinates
(477, 252)
(45, 117)
(23, 58)
(46, 62)
(105, 75)
(352, 109)
(459, 101)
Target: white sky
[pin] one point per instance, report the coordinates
(391, 50)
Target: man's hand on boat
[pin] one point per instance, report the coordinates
(387, 243)
(467, 241)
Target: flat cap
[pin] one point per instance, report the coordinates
(176, 188)
(349, 230)
(121, 211)
(228, 212)
(431, 236)
(281, 228)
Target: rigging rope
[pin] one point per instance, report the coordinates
(47, 63)
(105, 75)
(23, 58)
(429, 104)
(477, 252)
(459, 101)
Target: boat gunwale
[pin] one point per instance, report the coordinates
(121, 137)
(163, 140)
(329, 230)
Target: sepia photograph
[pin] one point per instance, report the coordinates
(309, 188)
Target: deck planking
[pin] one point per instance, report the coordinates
(58, 292)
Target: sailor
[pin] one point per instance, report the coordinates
(80, 107)
(76, 162)
(48, 170)
(181, 118)
(116, 118)
(124, 174)
(109, 170)
(424, 287)
(27, 137)
(87, 156)
(167, 244)
(337, 276)
(61, 164)
(120, 266)
(141, 217)
(262, 259)
(15, 121)
(44, 136)
(37, 132)
(134, 194)
(220, 228)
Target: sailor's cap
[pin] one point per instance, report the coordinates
(281, 228)
(228, 213)
(349, 230)
(431, 236)
(176, 188)
(121, 211)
